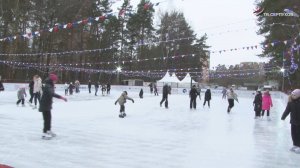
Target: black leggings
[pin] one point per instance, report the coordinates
(231, 103)
(193, 103)
(21, 100)
(47, 121)
(207, 103)
(263, 112)
(37, 97)
(295, 131)
(122, 108)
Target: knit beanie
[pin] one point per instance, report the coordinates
(296, 94)
(53, 77)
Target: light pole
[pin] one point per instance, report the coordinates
(282, 70)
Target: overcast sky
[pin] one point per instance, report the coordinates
(228, 23)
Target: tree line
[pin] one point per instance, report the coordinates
(128, 35)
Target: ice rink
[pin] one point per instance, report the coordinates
(91, 135)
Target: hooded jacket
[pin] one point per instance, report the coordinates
(47, 96)
(122, 99)
(37, 86)
(293, 108)
(266, 102)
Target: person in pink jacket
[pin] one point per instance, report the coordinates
(266, 104)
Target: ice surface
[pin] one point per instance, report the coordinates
(91, 135)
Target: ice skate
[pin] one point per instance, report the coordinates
(293, 148)
(46, 136)
(52, 134)
(121, 116)
(124, 114)
(34, 107)
(297, 150)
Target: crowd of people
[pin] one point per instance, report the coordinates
(42, 92)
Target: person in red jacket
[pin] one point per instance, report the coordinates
(266, 104)
(293, 108)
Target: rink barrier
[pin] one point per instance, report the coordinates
(241, 93)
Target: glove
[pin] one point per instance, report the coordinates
(132, 101)
(282, 118)
(65, 99)
(115, 103)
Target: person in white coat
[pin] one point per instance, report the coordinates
(37, 90)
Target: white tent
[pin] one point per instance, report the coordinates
(186, 81)
(171, 80)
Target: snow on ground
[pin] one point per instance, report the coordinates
(90, 134)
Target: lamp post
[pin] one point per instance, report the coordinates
(282, 70)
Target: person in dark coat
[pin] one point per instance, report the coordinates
(293, 108)
(193, 96)
(1, 85)
(141, 93)
(155, 90)
(31, 84)
(96, 88)
(207, 98)
(46, 104)
(151, 88)
(166, 92)
(257, 103)
(90, 86)
(71, 87)
(108, 88)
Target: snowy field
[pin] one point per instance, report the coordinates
(91, 135)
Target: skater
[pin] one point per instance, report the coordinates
(46, 105)
(151, 88)
(1, 85)
(141, 93)
(108, 88)
(71, 87)
(257, 103)
(21, 96)
(166, 92)
(77, 85)
(199, 91)
(231, 96)
(224, 91)
(207, 98)
(66, 87)
(37, 90)
(31, 84)
(193, 96)
(90, 86)
(155, 90)
(266, 104)
(103, 89)
(293, 108)
(122, 101)
(96, 88)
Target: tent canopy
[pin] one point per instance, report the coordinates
(169, 79)
(187, 79)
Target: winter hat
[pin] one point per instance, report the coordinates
(296, 94)
(53, 77)
(125, 92)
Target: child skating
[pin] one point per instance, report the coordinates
(257, 103)
(122, 101)
(231, 96)
(266, 104)
(21, 96)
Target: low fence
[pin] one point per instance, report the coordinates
(146, 89)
